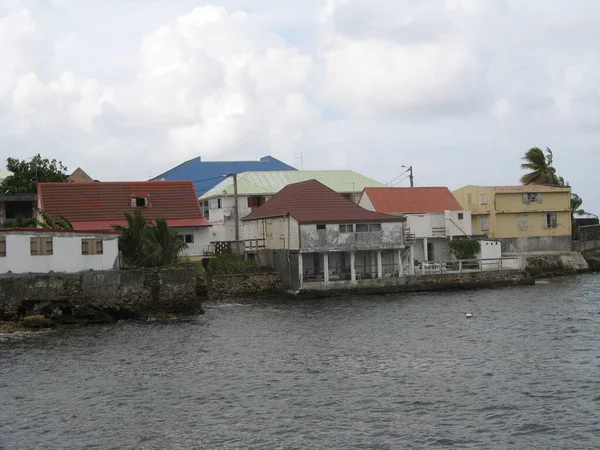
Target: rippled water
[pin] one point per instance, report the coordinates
(401, 371)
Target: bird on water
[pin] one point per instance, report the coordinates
(469, 315)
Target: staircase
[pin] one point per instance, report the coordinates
(409, 238)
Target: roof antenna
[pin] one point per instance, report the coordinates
(299, 156)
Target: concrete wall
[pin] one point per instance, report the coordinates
(551, 200)
(490, 250)
(531, 224)
(244, 285)
(536, 244)
(133, 292)
(66, 257)
(457, 226)
(330, 240)
(202, 239)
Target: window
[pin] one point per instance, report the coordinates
(321, 227)
(256, 201)
(484, 199)
(523, 221)
(92, 247)
(139, 202)
(188, 239)
(219, 203)
(40, 246)
(461, 216)
(532, 197)
(346, 228)
(551, 220)
(368, 227)
(485, 223)
(469, 199)
(2, 246)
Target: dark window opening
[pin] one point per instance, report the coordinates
(189, 238)
(461, 216)
(256, 201)
(17, 210)
(320, 227)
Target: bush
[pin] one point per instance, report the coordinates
(464, 248)
(225, 264)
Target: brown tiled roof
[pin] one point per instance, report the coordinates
(413, 200)
(99, 205)
(313, 202)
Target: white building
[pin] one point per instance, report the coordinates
(255, 188)
(39, 250)
(321, 240)
(433, 217)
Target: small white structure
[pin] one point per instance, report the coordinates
(432, 214)
(39, 250)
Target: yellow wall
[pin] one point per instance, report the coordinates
(505, 204)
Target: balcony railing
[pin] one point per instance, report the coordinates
(198, 250)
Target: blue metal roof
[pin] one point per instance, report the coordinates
(207, 174)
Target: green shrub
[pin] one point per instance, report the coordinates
(464, 248)
(226, 263)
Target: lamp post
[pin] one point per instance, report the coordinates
(410, 169)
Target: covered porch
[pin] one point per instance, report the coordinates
(321, 270)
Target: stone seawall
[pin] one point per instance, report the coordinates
(115, 293)
(221, 287)
(425, 283)
(548, 265)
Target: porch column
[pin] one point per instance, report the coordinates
(353, 267)
(326, 268)
(379, 265)
(300, 269)
(400, 265)
(411, 261)
(425, 255)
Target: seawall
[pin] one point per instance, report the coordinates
(99, 296)
(221, 287)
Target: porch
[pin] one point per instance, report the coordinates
(352, 267)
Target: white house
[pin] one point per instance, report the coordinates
(320, 240)
(39, 250)
(102, 205)
(433, 216)
(255, 188)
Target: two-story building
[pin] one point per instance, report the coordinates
(102, 205)
(523, 218)
(433, 216)
(255, 188)
(319, 239)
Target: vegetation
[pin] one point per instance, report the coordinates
(145, 244)
(19, 223)
(49, 222)
(226, 263)
(26, 174)
(464, 249)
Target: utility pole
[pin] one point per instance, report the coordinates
(412, 184)
(236, 212)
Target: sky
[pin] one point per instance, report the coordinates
(457, 89)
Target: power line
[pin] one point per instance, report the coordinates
(209, 179)
(403, 179)
(398, 176)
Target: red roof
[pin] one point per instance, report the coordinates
(413, 200)
(313, 202)
(100, 205)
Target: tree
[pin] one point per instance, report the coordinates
(540, 165)
(27, 174)
(51, 223)
(145, 244)
(130, 241)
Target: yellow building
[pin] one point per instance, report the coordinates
(523, 218)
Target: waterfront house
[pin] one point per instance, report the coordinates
(101, 205)
(207, 174)
(318, 239)
(255, 188)
(433, 216)
(39, 250)
(523, 218)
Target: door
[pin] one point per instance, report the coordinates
(430, 253)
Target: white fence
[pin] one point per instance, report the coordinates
(198, 250)
(463, 266)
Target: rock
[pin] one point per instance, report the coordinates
(593, 260)
(37, 322)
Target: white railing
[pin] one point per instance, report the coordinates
(463, 266)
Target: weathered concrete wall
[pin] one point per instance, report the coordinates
(419, 283)
(243, 285)
(536, 244)
(313, 240)
(555, 264)
(130, 292)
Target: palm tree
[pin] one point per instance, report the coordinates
(162, 245)
(131, 241)
(540, 165)
(51, 223)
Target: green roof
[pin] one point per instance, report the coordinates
(269, 183)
